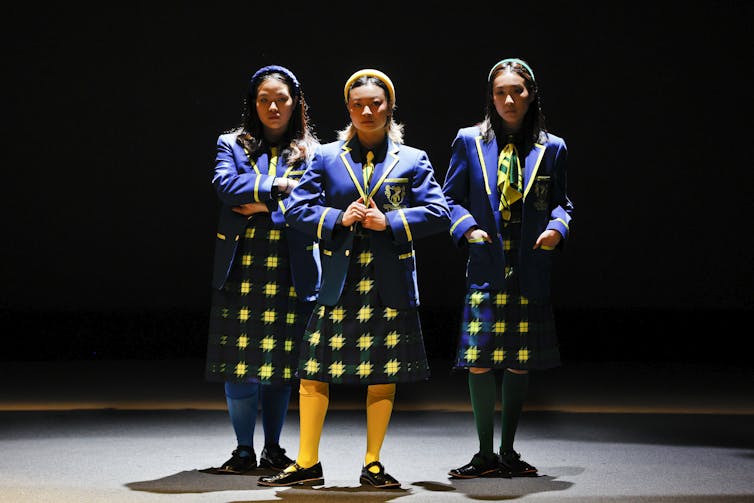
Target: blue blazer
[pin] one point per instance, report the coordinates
(474, 200)
(238, 180)
(405, 190)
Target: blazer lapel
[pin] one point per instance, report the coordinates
(487, 154)
(262, 165)
(382, 169)
(533, 160)
(357, 180)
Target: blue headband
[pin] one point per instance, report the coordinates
(511, 60)
(273, 69)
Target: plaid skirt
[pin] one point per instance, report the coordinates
(256, 320)
(359, 340)
(503, 329)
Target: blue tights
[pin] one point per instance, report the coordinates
(243, 402)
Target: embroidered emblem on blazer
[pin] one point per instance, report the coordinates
(541, 192)
(395, 195)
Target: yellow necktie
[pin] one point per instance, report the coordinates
(509, 179)
(273, 161)
(367, 171)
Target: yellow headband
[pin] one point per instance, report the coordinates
(368, 72)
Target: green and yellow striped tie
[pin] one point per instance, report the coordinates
(509, 179)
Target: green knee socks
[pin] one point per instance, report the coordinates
(515, 387)
(483, 391)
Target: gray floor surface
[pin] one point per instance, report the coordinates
(142, 431)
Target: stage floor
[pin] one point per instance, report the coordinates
(143, 431)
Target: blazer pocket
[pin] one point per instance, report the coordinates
(479, 264)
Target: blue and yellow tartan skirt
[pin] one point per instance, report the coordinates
(503, 329)
(360, 341)
(256, 320)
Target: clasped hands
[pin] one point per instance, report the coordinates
(370, 216)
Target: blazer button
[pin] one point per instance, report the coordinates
(348, 253)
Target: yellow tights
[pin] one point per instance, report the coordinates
(379, 408)
(314, 398)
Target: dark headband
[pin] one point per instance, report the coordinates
(266, 70)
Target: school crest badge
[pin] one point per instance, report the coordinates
(541, 193)
(395, 194)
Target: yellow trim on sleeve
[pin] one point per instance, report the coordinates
(221, 236)
(326, 252)
(563, 222)
(405, 224)
(468, 215)
(256, 189)
(321, 222)
(406, 255)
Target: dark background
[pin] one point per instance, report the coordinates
(112, 113)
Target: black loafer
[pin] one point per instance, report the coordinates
(273, 456)
(239, 464)
(512, 465)
(380, 479)
(295, 475)
(479, 466)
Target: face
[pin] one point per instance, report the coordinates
(511, 98)
(368, 108)
(274, 105)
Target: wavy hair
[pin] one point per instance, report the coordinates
(300, 138)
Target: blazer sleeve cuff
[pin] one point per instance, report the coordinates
(559, 225)
(327, 222)
(399, 226)
(459, 226)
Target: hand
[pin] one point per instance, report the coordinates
(249, 209)
(477, 235)
(285, 185)
(548, 240)
(354, 213)
(374, 219)
(291, 184)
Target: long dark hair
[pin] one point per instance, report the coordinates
(533, 128)
(299, 138)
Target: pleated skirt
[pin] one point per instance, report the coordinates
(502, 328)
(360, 340)
(256, 320)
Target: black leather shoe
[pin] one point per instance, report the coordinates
(273, 456)
(380, 479)
(512, 465)
(238, 463)
(294, 475)
(479, 466)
